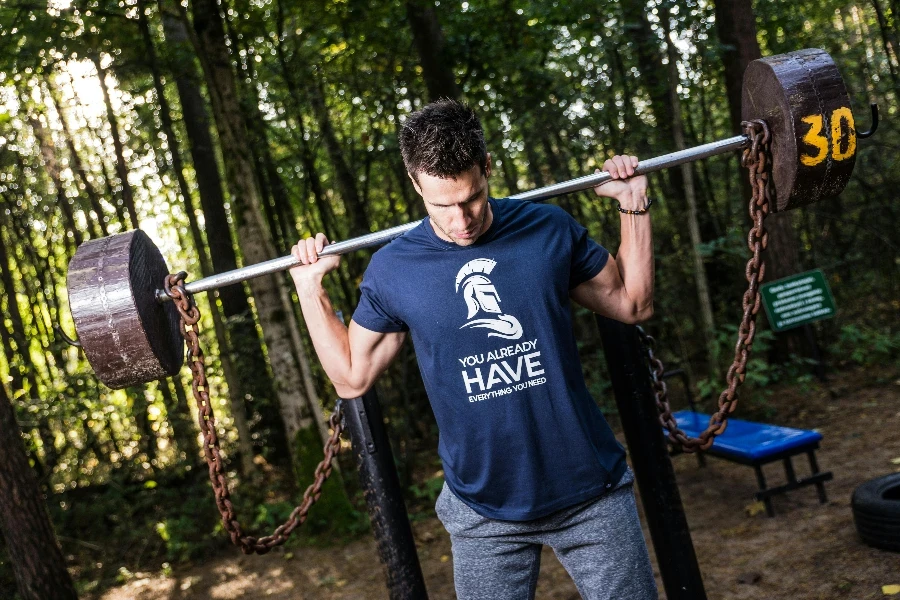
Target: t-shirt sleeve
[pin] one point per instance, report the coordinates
(374, 312)
(588, 257)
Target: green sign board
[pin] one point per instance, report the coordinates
(798, 300)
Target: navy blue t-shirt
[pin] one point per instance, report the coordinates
(520, 435)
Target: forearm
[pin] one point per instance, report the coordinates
(635, 262)
(330, 337)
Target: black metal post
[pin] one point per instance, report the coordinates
(649, 454)
(381, 486)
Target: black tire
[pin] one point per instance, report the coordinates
(876, 512)
(876, 518)
(874, 531)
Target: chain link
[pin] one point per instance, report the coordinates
(190, 315)
(757, 160)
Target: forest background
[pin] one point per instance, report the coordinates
(228, 130)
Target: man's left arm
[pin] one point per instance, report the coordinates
(623, 289)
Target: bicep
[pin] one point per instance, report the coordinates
(371, 351)
(604, 293)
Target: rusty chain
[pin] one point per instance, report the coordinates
(190, 315)
(757, 160)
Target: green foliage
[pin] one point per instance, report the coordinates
(333, 515)
(428, 490)
(756, 393)
(185, 538)
(867, 346)
(733, 245)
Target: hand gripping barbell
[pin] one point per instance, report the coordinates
(130, 332)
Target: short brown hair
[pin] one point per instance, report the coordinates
(443, 139)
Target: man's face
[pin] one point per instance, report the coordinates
(458, 207)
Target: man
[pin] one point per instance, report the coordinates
(483, 285)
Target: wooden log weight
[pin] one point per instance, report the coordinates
(802, 97)
(130, 332)
(128, 337)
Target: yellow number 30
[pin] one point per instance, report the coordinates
(815, 137)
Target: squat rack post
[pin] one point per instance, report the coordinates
(648, 449)
(384, 499)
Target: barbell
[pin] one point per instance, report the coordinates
(130, 331)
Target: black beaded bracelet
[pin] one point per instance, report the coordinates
(625, 211)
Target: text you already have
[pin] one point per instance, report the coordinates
(514, 367)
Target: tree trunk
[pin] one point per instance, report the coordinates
(274, 195)
(307, 159)
(238, 409)
(559, 171)
(654, 78)
(126, 193)
(19, 364)
(276, 204)
(706, 310)
(48, 154)
(736, 26)
(428, 37)
(178, 414)
(888, 42)
(534, 160)
(275, 314)
(143, 397)
(619, 76)
(26, 366)
(78, 166)
(246, 353)
(265, 167)
(346, 181)
(280, 207)
(36, 558)
(510, 174)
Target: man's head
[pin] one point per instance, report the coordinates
(444, 152)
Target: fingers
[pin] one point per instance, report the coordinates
(311, 252)
(307, 250)
(321, 242)
(621, 166)
(298, 250)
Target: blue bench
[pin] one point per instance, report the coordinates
(758, 444)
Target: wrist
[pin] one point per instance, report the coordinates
(308, 285)
(638, 205)
(631, 200)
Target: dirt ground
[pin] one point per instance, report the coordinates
(807, 552)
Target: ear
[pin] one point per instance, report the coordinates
(414, 182)
(487, 165)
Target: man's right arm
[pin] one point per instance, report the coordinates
(353, 357)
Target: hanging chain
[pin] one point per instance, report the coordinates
(757, 160)
(190, 315)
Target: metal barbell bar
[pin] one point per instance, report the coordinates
(378, 238)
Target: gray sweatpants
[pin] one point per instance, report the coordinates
(599, 542)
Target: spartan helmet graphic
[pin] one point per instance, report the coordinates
(480, 295)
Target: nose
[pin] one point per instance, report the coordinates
(461, 217)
